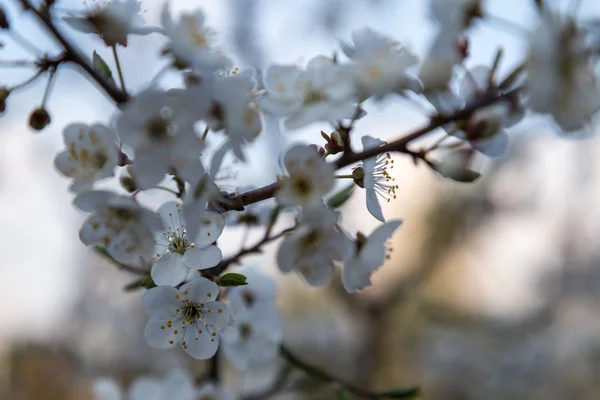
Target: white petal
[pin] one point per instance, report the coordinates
(317, 272)
(199, 258)
(159, 336)
(172, 216)
(179, 385)
(217, 314)
(354, 276)
(373, 205)
(90, 201)
(200, 290)
(169, 269)
(160, 302)
(210, 228)
(106, 389)
(201, 346)
(285, 255)
(370, 142)
(145, 389)
(495, 147)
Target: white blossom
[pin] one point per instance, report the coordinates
(189, 316)
(91, 154)
(117, 223)
(373, 175)
(369, 255)
(191, 43)
(230, 106)
(324, 91)
(113, 21)
(313, 246)
(160, 130)
(177, 385)
(310, 177)
(453, 17)
(178, 253)
(212, 391)
(260, 292)
(254, 339)
(379, 64)
(561, 79)
(255, 336)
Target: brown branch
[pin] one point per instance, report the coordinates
(73, 55)
(325, 376)
(222, 266)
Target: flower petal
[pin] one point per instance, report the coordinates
(373, 204)
(145, 389)
(202, 257)
(200, 344)
(200, 290)
(169, 269)
(158, 335)
(172, 217)
(160, 302)
(496, 147)
(211, 227)
(106, 389)
(217, 314)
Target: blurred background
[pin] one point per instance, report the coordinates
(492, 290)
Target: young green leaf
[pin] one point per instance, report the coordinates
(102, 68)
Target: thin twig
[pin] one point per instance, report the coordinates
(223, 265)
(319, 373)
(118, 65)
(74, 55)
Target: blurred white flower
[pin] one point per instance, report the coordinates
(312, 248)
(177, 385)
(113, 21)
(453, 17)
(255, 337)
(256, 334)
(117, 223)
(310, 177)
(212, 391)
(191, 43)
(324, 91)
(188, 316)
(374, 177)
(160, 130)
(379, 64)
(229, 101)
(91, 154)
(370, 254)
(261, 291)
(177, 253)
(561, 79)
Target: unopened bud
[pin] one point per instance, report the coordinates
(358, 174)
(4, 93)
(39, 119)
(3, 20)
(335, 144)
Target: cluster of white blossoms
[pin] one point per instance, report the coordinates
(177, 385)
(159, 139)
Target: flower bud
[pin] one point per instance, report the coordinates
(4, 93)
(334, 144)
(3, 20)
(358, 174)
(456, 165)
(39, 119)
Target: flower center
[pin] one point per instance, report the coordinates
(122, 214)
(312, 96)
(384, 183)
(192, 312)
(249, 298)
(245, 332)
(302, 185)
(178, 242)
(158, 129)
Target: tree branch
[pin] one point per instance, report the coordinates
(73, 54)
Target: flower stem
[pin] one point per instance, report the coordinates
(48, 87)
(118, 64)
(344, 176)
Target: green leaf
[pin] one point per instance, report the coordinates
(400, 393)
(340, 197)
(344, 394)
(135, 285)
(231, 280)
(465, 176)
(102, 68)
